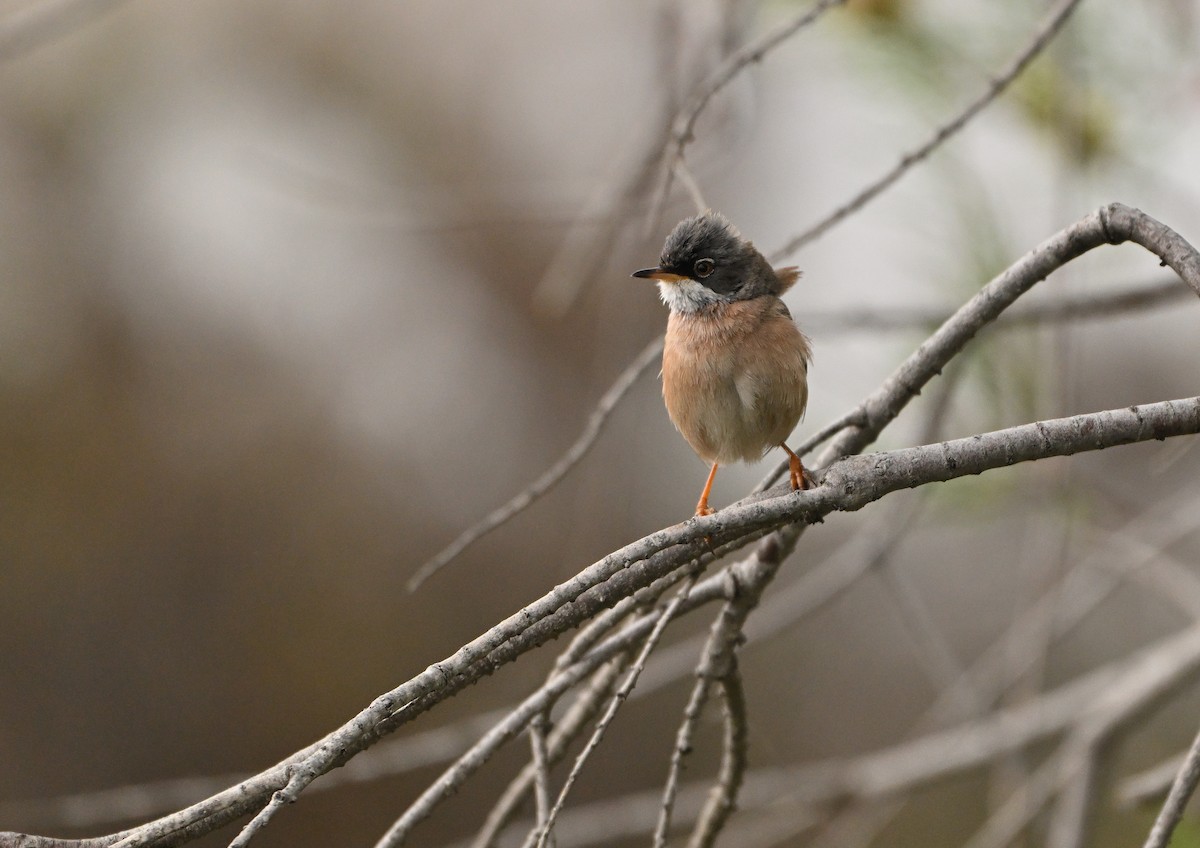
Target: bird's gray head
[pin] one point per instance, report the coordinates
(706, 261)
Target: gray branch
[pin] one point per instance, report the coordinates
(1181, 790)
(849, 484)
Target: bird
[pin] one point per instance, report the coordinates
(734, 364)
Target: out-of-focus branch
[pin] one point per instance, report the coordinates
(897, 319)
(30, 28)
(550, 477)
(683, 125)
(1112, 224)
(1172, 664)
(1041, 37)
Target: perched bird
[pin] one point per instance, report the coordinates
(735, 365)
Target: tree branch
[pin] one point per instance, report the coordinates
(1041, 37)
(1181, 790)
(683, 125)
(848, 485)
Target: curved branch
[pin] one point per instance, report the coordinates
(850, 484)
(1112, 224)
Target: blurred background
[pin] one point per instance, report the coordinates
(291, 293)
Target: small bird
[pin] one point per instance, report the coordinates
(735, 365)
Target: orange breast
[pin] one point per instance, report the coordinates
(735, 378)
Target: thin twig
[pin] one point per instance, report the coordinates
(629, 816)
(1115, 304)
(693, 188)
(722, 800)
(584, 708)
(683, 747)
(1143, 685)
(746, 583)
(684, 124)
(1041, 37)
(1181, 790)
(552, 475)
(508, 728)
(540, 760)
(1136, 550)
(543, 832)
(717, 661)
(850, 484)
(605, 622)
(1057, 614)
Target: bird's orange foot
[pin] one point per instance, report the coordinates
(703, 509)
(799, 476)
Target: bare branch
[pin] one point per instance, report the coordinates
(573, 722)
(970, 744)
(1112, 224)
(470, 762)
(718, 664)
(849, 485)
(552, 475)
(24, 31)
(900, 318)
(684, 124)
(1057, 613)
(683, 747)
(546, 828)
(1041, 37)
(1160, 672)
(693, 188)
(723, 799)
(1181, 790)
(540, 760)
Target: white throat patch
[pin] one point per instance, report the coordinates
(687, 296)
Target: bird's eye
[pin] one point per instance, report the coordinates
(704, 267)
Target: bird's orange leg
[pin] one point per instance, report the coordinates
(703, 508)
(800, 477)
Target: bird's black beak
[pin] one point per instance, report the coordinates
(658, 274)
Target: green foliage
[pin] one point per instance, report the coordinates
(1187, 834)
(1074, 115)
